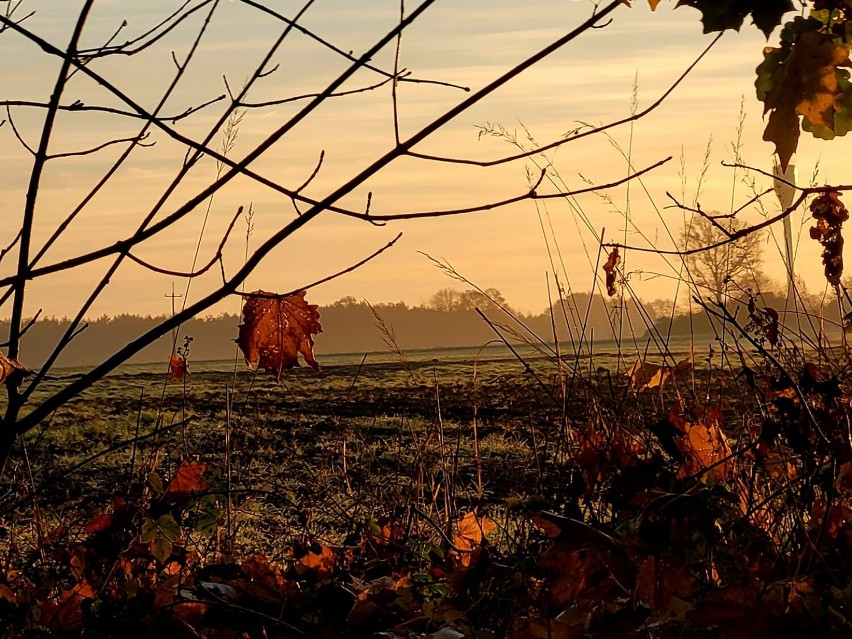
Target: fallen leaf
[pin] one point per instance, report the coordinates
(66, 615)
(276, 329)
(317, 560)
(648, 375)
(188, 480)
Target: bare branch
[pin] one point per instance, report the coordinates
(79, 106)
(341, 52)
(805, 193)
(136, 140)
(307, 96)
(217, 257)
(167, 25)
(532, 194)
(17, 133)
(328, 278)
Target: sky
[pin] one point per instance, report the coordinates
(516, 249)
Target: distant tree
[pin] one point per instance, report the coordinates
(739, 262)
(451, 300)
(345, 302)
(445, 299)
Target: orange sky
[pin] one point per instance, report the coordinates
(590, 80)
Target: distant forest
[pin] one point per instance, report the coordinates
(447, 319)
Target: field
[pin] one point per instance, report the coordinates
(477, 494)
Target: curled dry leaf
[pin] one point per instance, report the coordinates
(276, 329)
(11, 370)
(830, 215)
(610, 269)
(765, 320)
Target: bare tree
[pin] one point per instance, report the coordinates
(180, 198)
(739, 262)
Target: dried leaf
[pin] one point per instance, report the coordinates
(610, 269)
(12, 370)
(705, 445)
(830, 215)
(66, 615)
(178, 367)
(188, 480)
(276, 329)
(765, 320)
(470, 531)
(317, 560)
(648, 375)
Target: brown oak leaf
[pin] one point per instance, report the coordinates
(276, 329)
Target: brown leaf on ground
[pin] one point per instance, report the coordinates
(66, 615)
(276, 329)
(648, 375)
(584, 576)
(188, 480)
(705, 446)
(660, 579)
(610, 269)
(317, 560)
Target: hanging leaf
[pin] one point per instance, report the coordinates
(830, 215)
(610, 270)
(178, 367)
(803, 77)
(705, 445)
(276, 329)
(720, 15)
(12, 370)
